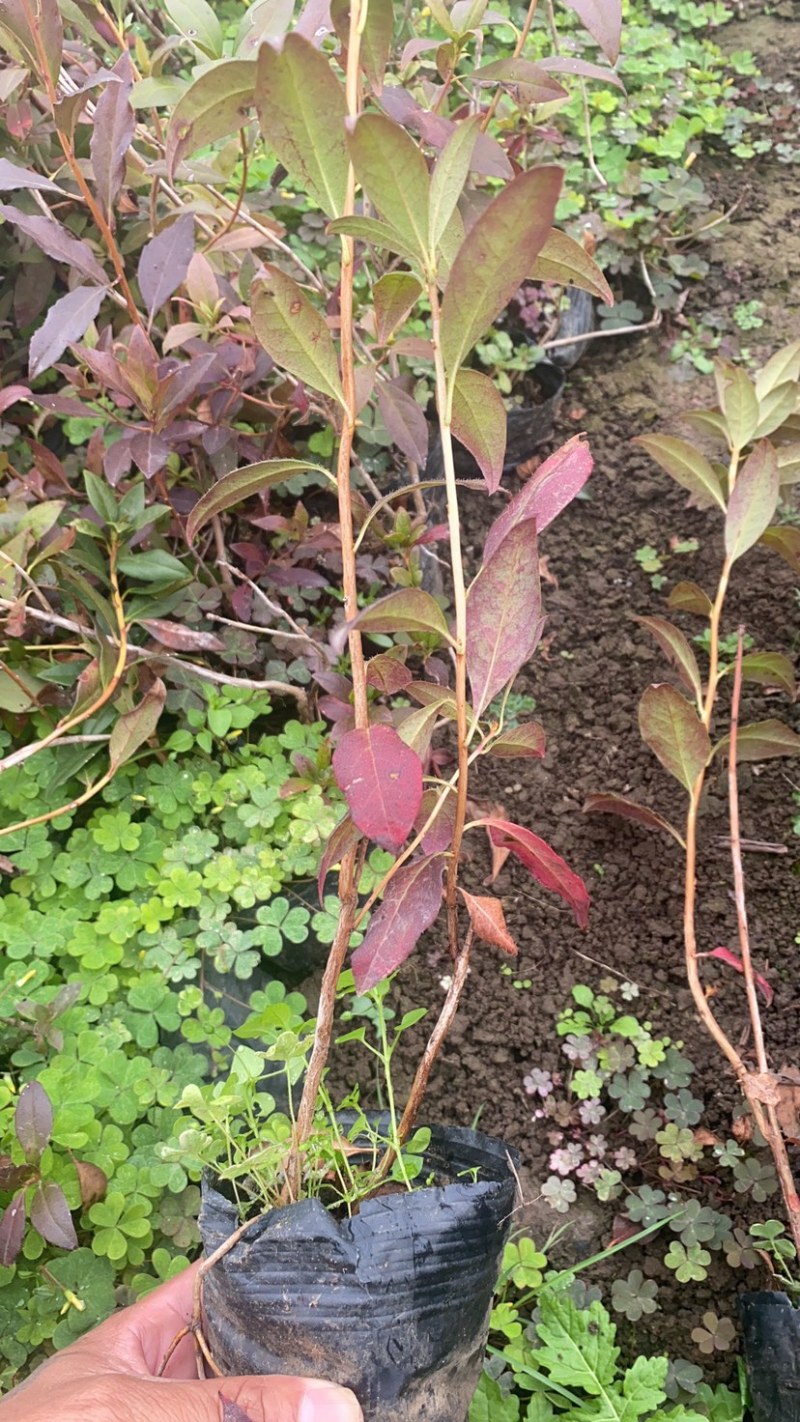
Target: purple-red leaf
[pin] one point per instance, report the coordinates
(552, 487)
(439, 836)
(344, 837)
(51, 1217)
(566, 64)
(149, 452)
(565, 261)
(672, 729)
(677, 649)
(56, 241)
(12, 1230)
(112, 133)
(603, 20)
(381, 779)
(67, 320)
(753, 500)
(404, 420)
(609, 804)
(33, 1120)
(542, 862)
(504, 615)
(407, 610)
(13, 1177)
(489, 922)
(734, 961)
(179, 638)
(525, 742)
(165, 261)
(134, 727)
(387, 674)
(480, 423)
(410, 905)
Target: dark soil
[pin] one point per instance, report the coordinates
(587, 681)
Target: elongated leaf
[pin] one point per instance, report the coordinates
(734, 961)
(12, 1229)
(394, 175)
(489, 922)
(542, 497)
(218, 102)
(112, 134)
(564, 260)
(409, 906)
(785, 541)
(164, 262)
(376, 37)
(496, 256)
(393, 296)
(542, 861)
(243, 484)
(782, 367)
(526, 742)
(676, 647)
(672, 729)
(378, 234)
(196, 20)
(753, 501)
(26, 22)
(266, 20)
(13, 178)
(33, 1120)
(294, 332)
(381, 780)
(609, 804)
(480, 423)
(762, 740)
(450, 175)
(686, 465)
(775, 408)
(301, 108)
(566, 64)
(416, 727)
(737, 396)
(689, 597)
(408, 610)
(504, 615)
(770, 669)
(50, 1216)
(14, 1177)
(67, 320)
(56, 241)
(343, 838)
(134, 728)
(603, 20)
(439, 837)
(524, 74)
(404, 420)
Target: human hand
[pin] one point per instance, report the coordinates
(110, 1375)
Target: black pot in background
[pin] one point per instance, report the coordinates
(771, 1333)
(393, 1303)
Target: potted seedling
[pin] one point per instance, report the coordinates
(365, 1248)
(695, 729)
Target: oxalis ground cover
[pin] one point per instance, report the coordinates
(193, 866)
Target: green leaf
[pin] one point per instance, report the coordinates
(302, 108)
(480, 423)
(136, 726)
(785, 540)
(154, 566)
(643, 1387)
(676, 647)
(753, 500)
(770, 669)
(294, 332)
(689, 597)
(686, 465)
(782, 367)
(216, 104)
(496, 256)
(490, 1403)
(393, 296)
(450, 175)
(577, 1346)
(762, 740)
(379, 234)
(564, 260)
(26, 23)
(394, 175)
(775, 408)
(196, 20)
(243, 484)
(408, 610)
(101, 497)
(672, 729)
(376, 37)
(737, 397)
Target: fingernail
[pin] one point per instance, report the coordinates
(323, 1402)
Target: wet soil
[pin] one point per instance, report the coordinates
(586, 682)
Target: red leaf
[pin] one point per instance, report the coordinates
(603, 20)
(404, 420)
(628, 810)
(387, 674)
(12, 1229)
(165, 261)
(410, 905)
(344, 836)
(50, 1216)
(504, 621)
(181, 639)
(67, 320)
(33, 1120)
(13, 1177)
(734, 961)
(381, 779)
(488, 920)
(542, 497)
(543, 862)
(440, 835)
(526, 742)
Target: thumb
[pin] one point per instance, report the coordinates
(249, 1399)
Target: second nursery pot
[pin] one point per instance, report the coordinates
(393, 1302)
